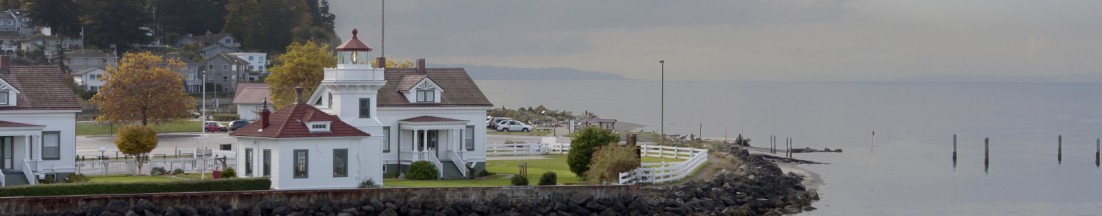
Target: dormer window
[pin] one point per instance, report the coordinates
(426, 95)
(318, 127)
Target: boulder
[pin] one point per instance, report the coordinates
(117, 206)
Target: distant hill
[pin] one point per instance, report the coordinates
(486, 72)
(1062, 78)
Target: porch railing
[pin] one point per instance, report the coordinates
(189, 165)
(459, 163)
(431, 158)
(27, 171)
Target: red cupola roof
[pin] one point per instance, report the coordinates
(354, 44)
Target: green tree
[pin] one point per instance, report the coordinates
(62, 16)
(611, 160)
(137, 141)
(143, 88)
(180, 17)
(119, 23)
(302, 65)
(585, 142)
(392, 62)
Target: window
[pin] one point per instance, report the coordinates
(3, 97)
(301, 163)
(426, 95)
(427, 139)
(316, 127)
(365, 107)
(340, 162)
(249, 162)
(267, 161)
(330, 100)
(227, 40)
(386, 139)
(468, 137)
(210, 67)
(250, 58)
(319, 126)
(225, 67)
(51, 141)
(225, 78)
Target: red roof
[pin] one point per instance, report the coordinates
(430, 119)
(354, 44)
(4, 124)
(41, 87)
(251, 93)
(290, 122)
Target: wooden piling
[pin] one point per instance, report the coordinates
(1059, 149)
(1097, 150)
(954, 149)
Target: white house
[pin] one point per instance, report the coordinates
(301, 147)
(416, 114)
(419, 114)
(89, 78)
(87, 58)
(258, 62)
(248, 98)
(37, 123)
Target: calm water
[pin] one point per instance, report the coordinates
(909, 171)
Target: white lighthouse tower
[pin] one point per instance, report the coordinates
(350, 90)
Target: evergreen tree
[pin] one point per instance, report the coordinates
(62, 16)
(118, 23)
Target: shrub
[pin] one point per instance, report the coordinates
(142, 187)
(549, 178)
(226, 117)
(368, 183)
(519, 180)
(76, 178)
(178, 171)
(422, 170)
(611, 160)
(583, 145)
(229, 173)
(157, 171)
(485, 173)
(138, 141)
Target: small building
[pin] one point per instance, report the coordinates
(226, 40)
(37, 123)
(89, 78)
(258, 62)
(248, 98)
(301, 147)
(607, 124)
(87, 58)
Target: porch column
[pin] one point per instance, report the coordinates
(425, 141)
(27, 149)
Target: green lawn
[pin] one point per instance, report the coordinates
(92, 128)
(504, 169)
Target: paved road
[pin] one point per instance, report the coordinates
(89, 146)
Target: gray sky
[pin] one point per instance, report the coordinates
(791, 40)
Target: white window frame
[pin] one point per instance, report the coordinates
(318, 127)
(51, 149)
(386, 139)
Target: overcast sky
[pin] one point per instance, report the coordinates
(789, 40)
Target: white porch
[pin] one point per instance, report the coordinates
(437, 140)
(18, 155)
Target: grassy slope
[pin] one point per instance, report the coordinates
(88, 128)
(506, 168)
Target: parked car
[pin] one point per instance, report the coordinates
(493, 121)
(213, 126)
(514, 125)
(238, 124)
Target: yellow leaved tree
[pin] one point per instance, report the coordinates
(143, 88)
(392, 62)
(302, 65)
(137, 141)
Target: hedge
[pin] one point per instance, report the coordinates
(226, 117)
(235, 184)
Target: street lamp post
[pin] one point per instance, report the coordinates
(662, 137)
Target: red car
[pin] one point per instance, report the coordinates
(211, 126)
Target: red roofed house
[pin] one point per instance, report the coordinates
(37, 123)
(301, 147)
(248, 99)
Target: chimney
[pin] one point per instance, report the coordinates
(380, 62)
(420, 65)
(298, 95)
(5, 63)
(264, 113)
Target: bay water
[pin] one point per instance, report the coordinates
(907, 167)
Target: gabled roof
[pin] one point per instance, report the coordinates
(228, 57)
(251, 93)
(40, 88)
(8, 124)
(430, 119)
(409, 81)
(462, 91)
(290, 122)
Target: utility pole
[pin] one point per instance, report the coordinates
(663, 101)
(382, 36)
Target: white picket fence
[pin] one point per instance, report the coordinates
(114, 167)
(647, 173)
(665, 172)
